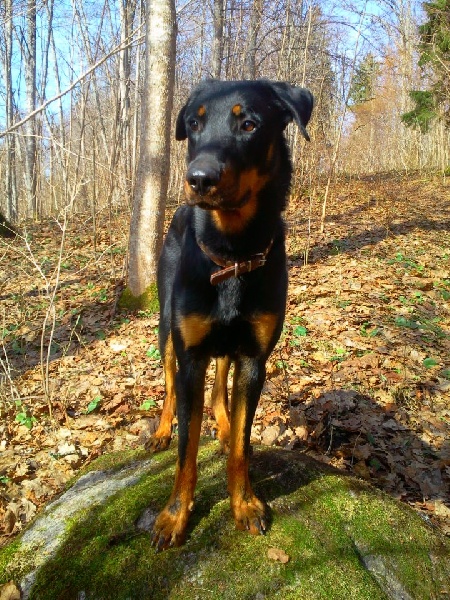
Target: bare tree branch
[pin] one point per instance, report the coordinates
(125, 44)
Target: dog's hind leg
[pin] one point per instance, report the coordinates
(161, 438)
(220, 402)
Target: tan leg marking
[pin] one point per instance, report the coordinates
(170, 525)
(161, 438)
(220, 402)
(194, 328)
(264, 325)
(248, 511)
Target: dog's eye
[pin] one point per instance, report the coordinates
(194, 125)
(248, 125)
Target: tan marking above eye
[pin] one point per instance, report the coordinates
(201, 111)
(237, 110)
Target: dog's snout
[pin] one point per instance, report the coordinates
(202, 178)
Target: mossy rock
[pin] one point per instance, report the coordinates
(343, 538)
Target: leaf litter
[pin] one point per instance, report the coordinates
(360, 378)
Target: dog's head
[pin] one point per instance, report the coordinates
(235, 133)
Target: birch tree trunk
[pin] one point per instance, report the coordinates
(127, 9)
(147, 219)
(217, 49)
(11, 187)
(252, 41)
(30, 83)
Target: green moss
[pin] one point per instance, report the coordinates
(113, 462)
(147, 301)
(326, 522)
(7, 554)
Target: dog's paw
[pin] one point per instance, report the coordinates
(158, 443)
(225, 446)
(169, 529)
(224, 439)
(251, 515)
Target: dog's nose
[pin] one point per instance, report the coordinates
(202, 179)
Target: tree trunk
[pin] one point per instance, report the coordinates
(147, 219)
(30, 83)
(137, 94)
(252, 41)
(217, 49)
(127, 9)
(11, 185)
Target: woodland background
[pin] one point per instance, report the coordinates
(361, 376)
(361, 60)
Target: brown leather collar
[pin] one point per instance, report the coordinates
(234, 269)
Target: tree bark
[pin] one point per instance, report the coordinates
(217, 49)
(147, 219)
(252, 42)
(127, 9)
(11, 185)
(30, 83)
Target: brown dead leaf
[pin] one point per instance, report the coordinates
(114, 403)
(302, 433)
(9, 521)
(297, 416)
(319, 357)
(9, 591)
(278, 555)
(320, 428)
(363, 452)
(441, 510)
(361, 469)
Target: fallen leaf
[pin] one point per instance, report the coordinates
(361, 469)
(9, 521)
(278, 555)
(441, 510)
(9, 591)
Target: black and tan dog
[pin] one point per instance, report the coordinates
(222, 280)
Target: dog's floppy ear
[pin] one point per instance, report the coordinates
(297, 101)
(180, 127)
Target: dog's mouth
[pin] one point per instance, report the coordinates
(223, 195)
(214, 186)
(218, 201)
(230, 194)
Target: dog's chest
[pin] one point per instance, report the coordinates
(229, 305)
(232, 330)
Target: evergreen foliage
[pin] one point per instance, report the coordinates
(433, 103)
(364, 81)
(423, 113)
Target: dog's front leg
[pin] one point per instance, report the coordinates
(170, 526)
(248, 511)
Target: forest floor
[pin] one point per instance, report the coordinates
(360, 378)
